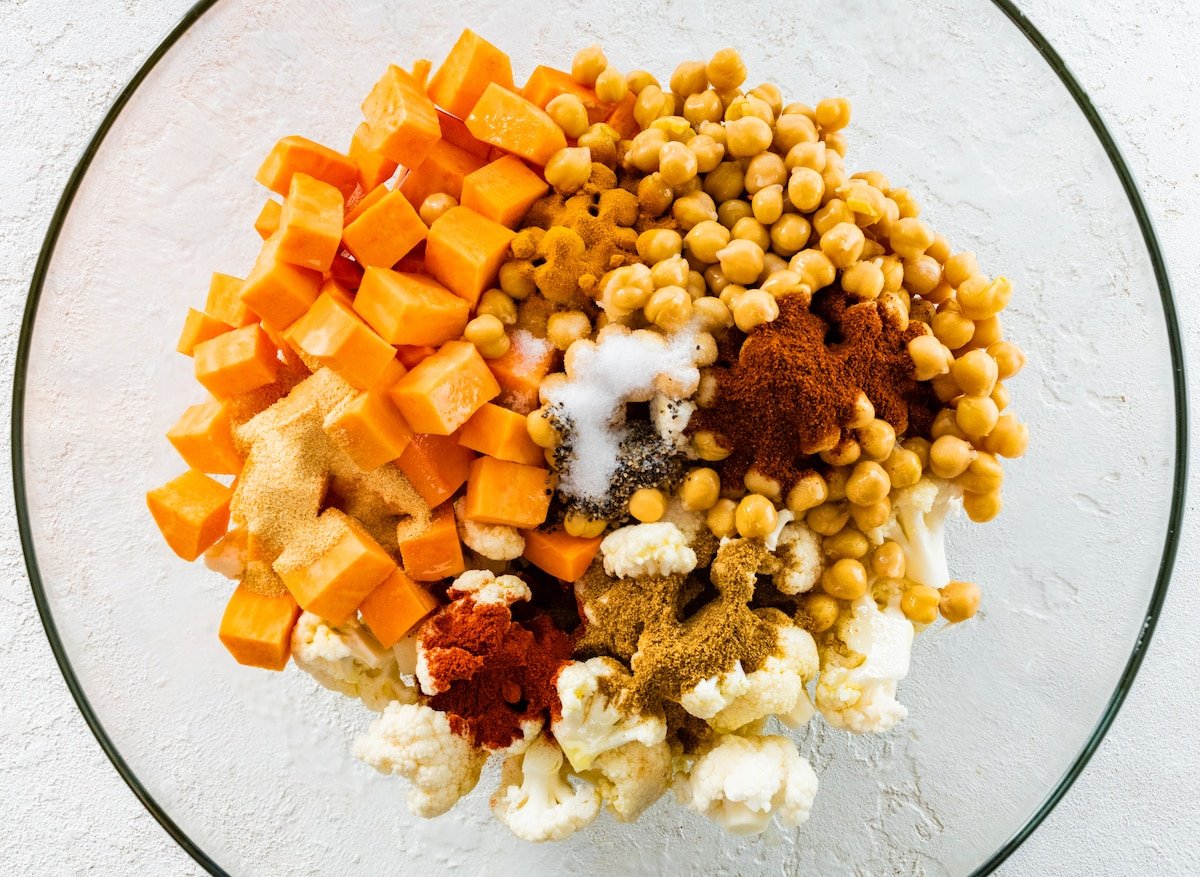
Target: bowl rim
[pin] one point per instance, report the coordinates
(1162, 579)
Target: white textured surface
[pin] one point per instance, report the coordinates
(57, 81)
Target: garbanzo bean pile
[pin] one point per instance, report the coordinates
(597, 424)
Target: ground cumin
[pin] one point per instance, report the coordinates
(794, 383)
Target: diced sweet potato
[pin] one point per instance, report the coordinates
(346, 271)
(454, 130)
(411, 354)
(267, 221)
(436, 466)
(236, 362)
(394, 372)
(355, 209)
(465, 250)
(384, 232)
(502, 191)
(225, 301)
(622, 119)
(197, 327)
(500, 433)
(310, 223)
(335, 289)
(300, 155)
(421, 69)
(203, 436)
(502, 492)
(473, 62)
(278, 291)
(340, 340)
(435, 552)
(192, 511)
(547, 83)
(374, 169)
(505, 119)
(402, 124)
(257, 627)
(563, 556)
(520, 371)
(410, 309)
(395, 607)
(442, 392)
(370, 430)
(442, 170)
(331, 568)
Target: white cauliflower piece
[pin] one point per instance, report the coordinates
(690, 523)
(632, 777)
(591, 723)
(779, 687)
(349, 660)
(486, 587)
(493, 541)
(670, 418)
(858, 693)
(536, 798)
(741, 781)
(918, 523)
(416, 742)
(771, 540)
(799, 553)
(647, 551)
(227, 556)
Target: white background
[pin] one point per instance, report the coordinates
(1135, 809)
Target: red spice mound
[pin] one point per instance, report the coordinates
(500, 672)
(795, 382)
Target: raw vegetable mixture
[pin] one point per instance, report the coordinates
(597, 425)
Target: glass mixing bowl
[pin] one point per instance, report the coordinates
(961, 100)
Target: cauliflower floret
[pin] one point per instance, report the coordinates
(416, 742)
(536, 799)
(690, 523)
(740, 781)
(632, 777)
(858, 693)
(486, 587)
(670, 418)
(493, 541)
(647, 550)
(799, 554)
(918, 523)
(346, 658)
(779, 687)
(590, 723)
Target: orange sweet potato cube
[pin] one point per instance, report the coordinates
(560, 554)
(465, 250)
(197, 327)
(436, 466)
(521, 370)
(257, 627)
(300, 155)
(192, 511)
(374, 169)
(435, 552)
(356, 208)
(503, 191)
(310, 223)
(546, 83)
(454, 130)
(277, 291)
(236, 361)
(502, 492)
(442, 392)
(383, 233)
(500, 433)
(442, 170)
(410, 309)
(510, 122)
(473, 62)
(402, 123)
(225, 301)
(395, 607)
(622, 118)
(203, 436)
(335, 335)
(333, 566)
(267, 221)
(369, 429)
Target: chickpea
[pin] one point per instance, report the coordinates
(730, 213)
(1010, 359)
(693, 208)
(868, 483)
(903, 467)
(658, 244)
(726, 70)
(516, 279)
(919, 603)
(670, 272)
(987, 332)
(705, 239)
(486, 332)
(1000, 396)
(499, 305)
(808, 492)
(741, 261)
(949, 456)
(878, 439)
(588, 64)
(704, 106)
(843, 244)
(792, 129)
(746, 106)
(820, 610)
(755, 516)
(564, 328)
(816, 270)
(726, 182)
(669, 308)
(845, 579)
(689, 78)
(950, 326)
(569, 168)
(910, 237)
(611, 86)
(834, 212)
(868, 204)
(722, 518)
(677, 164)
(626, 298)
(637, 80)
(710, 447)
(845, 453)
(863, 280)
(945, 388)
(834, 175)
(959, 267)
(700, 489)
(922, 275)
(654, 196)
(835, 481)
(930, 357)
(828, 518)
(790, 234)
(907, 204)
(833, 113)
(920, 447)
(863, 413)
(1009, 438)
(708, 152)
(847, 542)
(975, 372)
(767, 204)
(945, 422)
(747, 136)
(785, 282)
(983, 507)
(868, 517)
(977, 297)
(976, 416)
(435, 205)
(647, 504)
(836, 141)
(960, 601)
(750, 229)
(577, 524)
(765, 169)
(569, 113)
(810, 156)
(887, 561)
(541, 431)
(754, 308)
